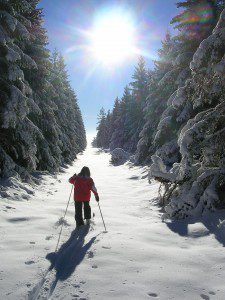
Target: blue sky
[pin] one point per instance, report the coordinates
(98, 87)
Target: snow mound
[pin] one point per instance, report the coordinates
(119, 156)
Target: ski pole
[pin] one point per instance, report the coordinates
(63, 220)
(101, 216)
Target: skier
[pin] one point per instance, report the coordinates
(83, 185)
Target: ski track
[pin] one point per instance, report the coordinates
(139, 257)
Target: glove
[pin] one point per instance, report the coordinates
(97, 198)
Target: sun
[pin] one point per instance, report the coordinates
(112, 39)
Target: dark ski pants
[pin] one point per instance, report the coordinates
(79, 214)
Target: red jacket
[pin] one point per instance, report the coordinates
(82, 188)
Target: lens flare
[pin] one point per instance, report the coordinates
(197, 20)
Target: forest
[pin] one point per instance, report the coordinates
(172, 117)
(41, 126)
(138, 212)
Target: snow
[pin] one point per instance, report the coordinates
(140, 257)
(119, 156)
(10, 20)
(158, 170)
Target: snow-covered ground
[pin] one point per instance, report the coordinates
(139, 257)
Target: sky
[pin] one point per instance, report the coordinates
(67, 23)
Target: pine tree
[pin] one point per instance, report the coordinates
(139, 91)
(48, 153)
(198, 18)
(33, 135)
(102, 138)
(162, 82)
(174, 117)
(116, 140)
(18, 133)
(68, 116)
(196, 183)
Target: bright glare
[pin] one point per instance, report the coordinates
(113, 39)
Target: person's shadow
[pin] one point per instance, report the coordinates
(70, 255)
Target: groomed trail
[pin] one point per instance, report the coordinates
(140, 257)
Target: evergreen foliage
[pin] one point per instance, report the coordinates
(174, 118)
(124, 124)
(196, 183)
(40, 122)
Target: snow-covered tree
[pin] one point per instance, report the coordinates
(139, 91)
(18, 134)
(198, 18)
(68, 115)
(197, 182)
(31, 130)
(103, 130)
(168, 73)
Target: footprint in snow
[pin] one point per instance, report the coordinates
(212, 293)
(94, 266)
(205, 297)
(104, 247)
(90, 254)
(13, 220)
(134, 177)
(29, 262)
(10, 207)
(153, 295)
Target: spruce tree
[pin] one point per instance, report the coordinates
(102, 138)
(196, 183)
(68, 116)
(18, 133)
(174, 117)
(33, 133)
(162, 82)
(139, 91)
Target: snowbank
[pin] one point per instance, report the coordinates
(119, 156)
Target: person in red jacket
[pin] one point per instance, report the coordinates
(83, 185)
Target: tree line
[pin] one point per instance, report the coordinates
(171, 117)
(41, 126)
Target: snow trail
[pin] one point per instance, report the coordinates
(138, 258)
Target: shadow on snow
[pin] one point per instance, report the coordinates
(70, 254)
(65, 261)
(214, 223)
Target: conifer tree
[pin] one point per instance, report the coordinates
(18, 133)
(72, 137)
(174, 117)
(33, 135)
(196, 183)
(198, 18)
(116, 140)
(48, 153)
(139, 92)
(162, 82)
(102, 138)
